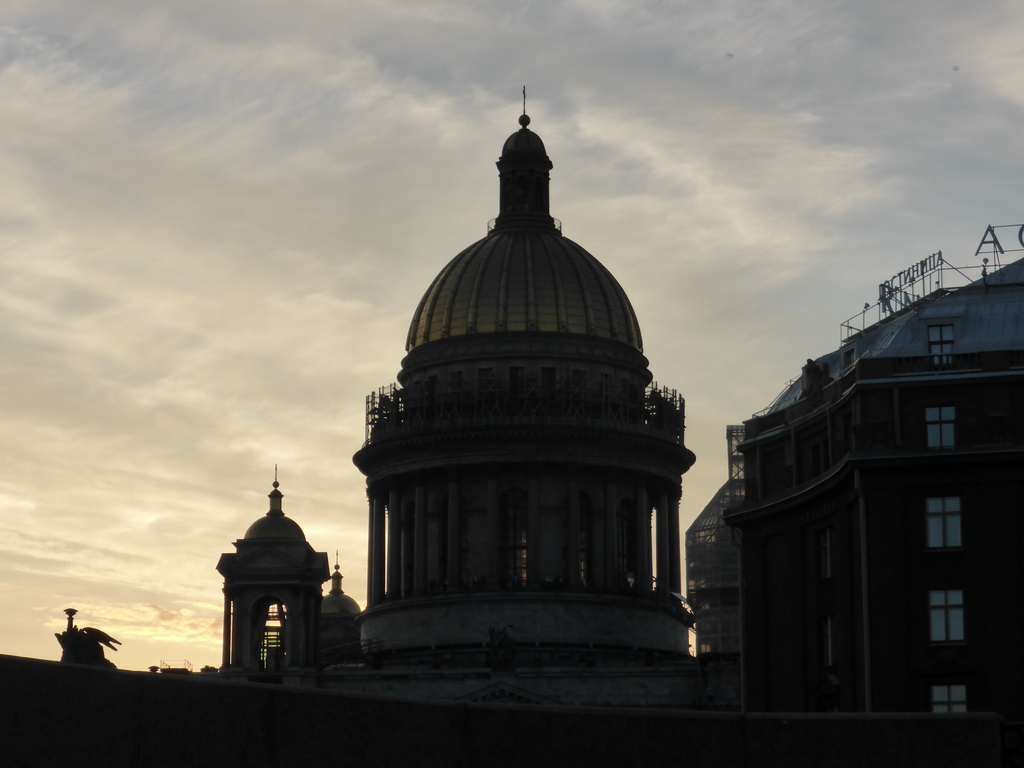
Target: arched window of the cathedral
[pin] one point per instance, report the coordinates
(271, 618)
(522, 195)
(625, 544)
(513, 543)
(586, 542)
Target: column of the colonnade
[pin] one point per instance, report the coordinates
(394, 586)
(661, 515)
(226, 654)
(674, 558)
(611, 513)
(420, 536)
(454, 575)
(377, 562)
(642, 522)
(572, 533)
(491, 566)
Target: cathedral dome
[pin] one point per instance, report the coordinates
(336, 602)
(274, 525)
(339, 605)
(524, 279)
(524, 276)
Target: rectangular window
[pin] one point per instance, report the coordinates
(942, 517)
(946, 615)
(940, 345)
(949, 698)
(825, 553)
(848, 357)
(940, 422)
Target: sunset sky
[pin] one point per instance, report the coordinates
(217, 218)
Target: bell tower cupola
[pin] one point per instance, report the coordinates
(272, 597)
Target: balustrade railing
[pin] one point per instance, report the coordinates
(393, 411)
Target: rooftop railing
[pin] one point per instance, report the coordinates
(393, 411)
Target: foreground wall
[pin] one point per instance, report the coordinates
(54, 714)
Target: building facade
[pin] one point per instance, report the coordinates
(523, 479)
(884, 516)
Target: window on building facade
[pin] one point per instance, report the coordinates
(946, 615)
(826, 654)
(940, 345)
(849, 357)
(512, 512)
(942, 517)
(940, 423)
(825, 553)
(949, 698)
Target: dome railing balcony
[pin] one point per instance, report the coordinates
(394, 412)
(492, 222)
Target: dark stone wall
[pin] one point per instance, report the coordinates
(62, 714)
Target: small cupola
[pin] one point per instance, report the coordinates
(274, 525)
(524, 181)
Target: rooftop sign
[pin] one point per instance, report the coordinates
(901, 290)
(923, 278)
(990, 238)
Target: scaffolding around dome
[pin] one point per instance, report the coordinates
(396, 412)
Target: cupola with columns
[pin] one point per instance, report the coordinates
(272, 596)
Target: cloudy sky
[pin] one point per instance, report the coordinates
(217, 217)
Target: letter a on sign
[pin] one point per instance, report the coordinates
(989, 233)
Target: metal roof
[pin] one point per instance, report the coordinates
(986, 315)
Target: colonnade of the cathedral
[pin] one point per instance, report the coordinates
(497, 528)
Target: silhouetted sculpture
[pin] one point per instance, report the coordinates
(815, 379)
(501, 649)
(83, 646)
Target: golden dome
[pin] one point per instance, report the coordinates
(524, 279)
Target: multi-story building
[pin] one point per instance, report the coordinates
(884, 517)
